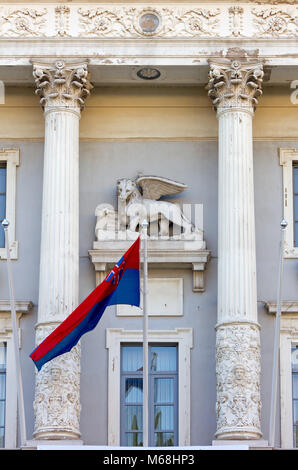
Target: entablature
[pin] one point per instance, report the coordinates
(119, 38)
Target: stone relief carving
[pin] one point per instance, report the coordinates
(238, 405)
(168, 21)
(235, 81)
(274, 2)
(62, 84)
(57, 397)
(276, 22)
(62, 20)
(100, 22)
(23, 22)
(138, 200)
(236, 20)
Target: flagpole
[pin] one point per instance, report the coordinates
(283, 227)
(5, 225)
(145, 337)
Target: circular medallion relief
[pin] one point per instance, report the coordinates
(149, 22)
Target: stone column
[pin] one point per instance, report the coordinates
(63, 88)
(234, 86)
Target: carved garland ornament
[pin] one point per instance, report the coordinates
(238, 406)
(235, 82)
(133, 22)
(23, 23)
(276, 22)
(62, 84)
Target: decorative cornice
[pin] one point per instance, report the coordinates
(247, 19)
(287, 307)
(235, 82)
(62, 84)
(21, 306)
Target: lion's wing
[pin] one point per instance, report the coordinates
(153, 187)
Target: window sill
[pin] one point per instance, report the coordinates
(14, 249)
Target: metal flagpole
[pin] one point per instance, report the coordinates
(283, 226)
(145, 337)
(5, 225)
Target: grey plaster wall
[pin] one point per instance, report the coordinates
(194, 163)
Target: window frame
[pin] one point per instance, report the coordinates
(152, 377)
(3, 165)
(6, 336)
(288, 340)
(183, 337)
(10, 156)
(3, 371)
(295, 221)
(294, 346)
(288, 158)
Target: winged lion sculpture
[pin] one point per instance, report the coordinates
(140, 199)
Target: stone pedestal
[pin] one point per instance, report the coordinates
(234, 86)
(63, 88)
(258, 444)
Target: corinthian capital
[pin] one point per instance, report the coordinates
(235, 83)
(62, 84)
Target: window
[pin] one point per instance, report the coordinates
(295, 195)
(295, 394)
(2, 392)
(8, 381)
(289, 162)
(9, 160)
(116, 339)
(288, 371)
(162, 395)
(2, 201)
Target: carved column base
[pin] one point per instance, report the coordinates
(57, 395)
(234, 434)
(55, 435)
(238, 404)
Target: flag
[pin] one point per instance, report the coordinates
(121, 286)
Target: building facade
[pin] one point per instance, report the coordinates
(192, 109)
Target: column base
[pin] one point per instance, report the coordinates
(34, 443)
(254, 444)
(245, 433)
(56, 435)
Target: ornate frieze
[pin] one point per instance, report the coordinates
(238, 405)
(235, 81)
(138, 22)
(62, 84)
(245, 19)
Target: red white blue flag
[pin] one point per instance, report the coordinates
(121, 286)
